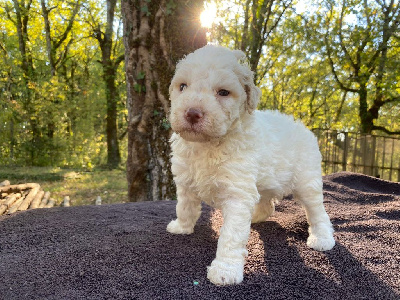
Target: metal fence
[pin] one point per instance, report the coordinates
(372, 155)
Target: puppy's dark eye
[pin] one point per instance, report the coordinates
(223, 93)
(182, 87)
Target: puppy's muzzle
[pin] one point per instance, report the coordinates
(193, 115)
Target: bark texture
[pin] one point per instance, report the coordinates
(156, 35)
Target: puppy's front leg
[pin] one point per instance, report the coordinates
(227, 267)
(188, 211)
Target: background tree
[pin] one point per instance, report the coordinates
(297, 78)
(52, 92)
(53, 44)
(251, 26)
(303, 59)
(156, 35)
(111, 57)
(362, 51)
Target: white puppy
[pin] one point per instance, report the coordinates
(237, 159)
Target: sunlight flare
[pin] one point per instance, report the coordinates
(209, 14)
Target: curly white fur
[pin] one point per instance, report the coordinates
(237, 159)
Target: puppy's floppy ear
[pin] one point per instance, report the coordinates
(240, 55)
(253, 93)
(253, 96)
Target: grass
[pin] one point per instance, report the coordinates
(81, 186)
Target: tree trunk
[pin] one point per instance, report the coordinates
(21, 23)
(261, 18)
(113, 154)
(365, 119)
(52, 46)
(110, 66)
(156, 35)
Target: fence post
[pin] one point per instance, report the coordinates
(369, 154)
(373, 151)
(355, 157)
(345, 151)
(391, 161)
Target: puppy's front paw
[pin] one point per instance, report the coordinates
(224, 273)
(320, 243)
(175, 227)
(321, 237)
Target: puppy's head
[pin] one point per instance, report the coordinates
(210, 90)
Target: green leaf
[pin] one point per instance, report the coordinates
(171, 5)
(166, 124)
(145, 9)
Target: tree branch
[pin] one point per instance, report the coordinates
(7, 9)
(69, 26)
(367, 37)
(385, 130)
(329, 54)
(391, 100)
(332, 65)
(63, 55)
(342, 45)
(244, 44)
(339, 111)
(4, 50)
(122, 135)
(119, 59)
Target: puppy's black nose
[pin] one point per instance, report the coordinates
(193, 115)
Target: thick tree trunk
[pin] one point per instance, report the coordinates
(156, 35)
(365, 118)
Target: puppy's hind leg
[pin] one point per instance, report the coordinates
(320, 227)
(263, 209)
(188, 211)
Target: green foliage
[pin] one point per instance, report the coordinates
(56, 119)
(140, 88)
(145, 10)
(171, 5)
(294, 71)
(166, 124)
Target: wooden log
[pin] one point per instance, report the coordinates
(15, 206)
(44, 200)
(66, 201)
(36, 200)
(3, 209)
(50, 203)
(5, 183)
(29, 198)
(6, 198)
(18, 187)
(9, 202)
(3, 195)
(12, 198)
